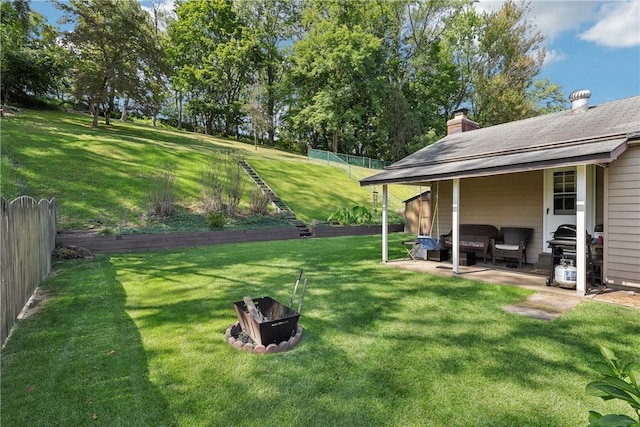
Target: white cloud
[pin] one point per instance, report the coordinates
(553, 18)
(619, 25)
(553, 56)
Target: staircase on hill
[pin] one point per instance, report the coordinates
(279, 205)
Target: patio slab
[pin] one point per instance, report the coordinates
(524, 278)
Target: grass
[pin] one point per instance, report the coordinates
(137, 339)
(100, 176)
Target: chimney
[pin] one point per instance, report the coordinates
(579, 100)
(460, 122)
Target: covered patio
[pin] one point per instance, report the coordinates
(572, 168)
(526, 278)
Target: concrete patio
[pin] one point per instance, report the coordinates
(525, 278)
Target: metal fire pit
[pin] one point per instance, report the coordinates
(281, 323)
(274, 322)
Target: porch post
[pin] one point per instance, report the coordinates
(455, 226)
(385, 225)
(581, 240)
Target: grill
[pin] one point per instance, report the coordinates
(563, 245)
(565, 235)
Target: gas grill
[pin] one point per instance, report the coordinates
(563, 245)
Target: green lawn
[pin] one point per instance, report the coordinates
(138, 339)
(100, 177)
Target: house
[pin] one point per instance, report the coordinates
(580, 166)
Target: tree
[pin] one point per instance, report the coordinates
(213, 63)
(336, 76)
(271, 24)
(426, 77)
(506, 60)
(115, 49)
(31, 63)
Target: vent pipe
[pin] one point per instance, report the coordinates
(580, 100)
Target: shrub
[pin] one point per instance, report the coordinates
(618, 382)
(216, 219)
(259, 201)
(357, 215)
(222, 183)
(235, 183)
(210, 181)
(161, 193)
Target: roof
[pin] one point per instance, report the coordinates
(597, 135)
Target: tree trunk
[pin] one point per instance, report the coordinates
(125, 110)
(255, 137)
(179, 108)
(95, 111)
(335, 142)
(208, 126)
(271, 104)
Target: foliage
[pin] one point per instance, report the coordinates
(216, 219)
(116, 53)
(259, 201)
(370, 78)
(222, 182)
(618, 382)
(161, 194)
(211, 181)
(499, 56)
(31, 62)
(213, 62)
(270, 24)
(235, 182)
(357, 215)
(335, 71)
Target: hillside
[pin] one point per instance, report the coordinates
(100, 177)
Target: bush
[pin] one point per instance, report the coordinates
(222, 183)
(618, 382)
(161, 194)
(259, 201)
(357, 215)
(216, 219)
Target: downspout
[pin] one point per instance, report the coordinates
(581, 235)
(455, 226)
(385, 225)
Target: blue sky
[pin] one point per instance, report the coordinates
(591, 45)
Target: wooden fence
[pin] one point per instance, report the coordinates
(27, 237)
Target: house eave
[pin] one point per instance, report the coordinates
(420, 174)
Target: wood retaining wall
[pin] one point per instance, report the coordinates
(147, 242)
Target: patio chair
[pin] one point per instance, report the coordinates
(511, 243)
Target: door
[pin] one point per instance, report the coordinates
(560, 199)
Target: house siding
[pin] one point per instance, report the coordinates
(510, 200)
(622, 220)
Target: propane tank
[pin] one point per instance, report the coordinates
(566, 275)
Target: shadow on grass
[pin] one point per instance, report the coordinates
(380, 346)
(80, 360)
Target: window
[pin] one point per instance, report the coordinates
(564, 193)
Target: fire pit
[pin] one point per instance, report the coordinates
(265, 325)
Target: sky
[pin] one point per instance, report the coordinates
(591, 45)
